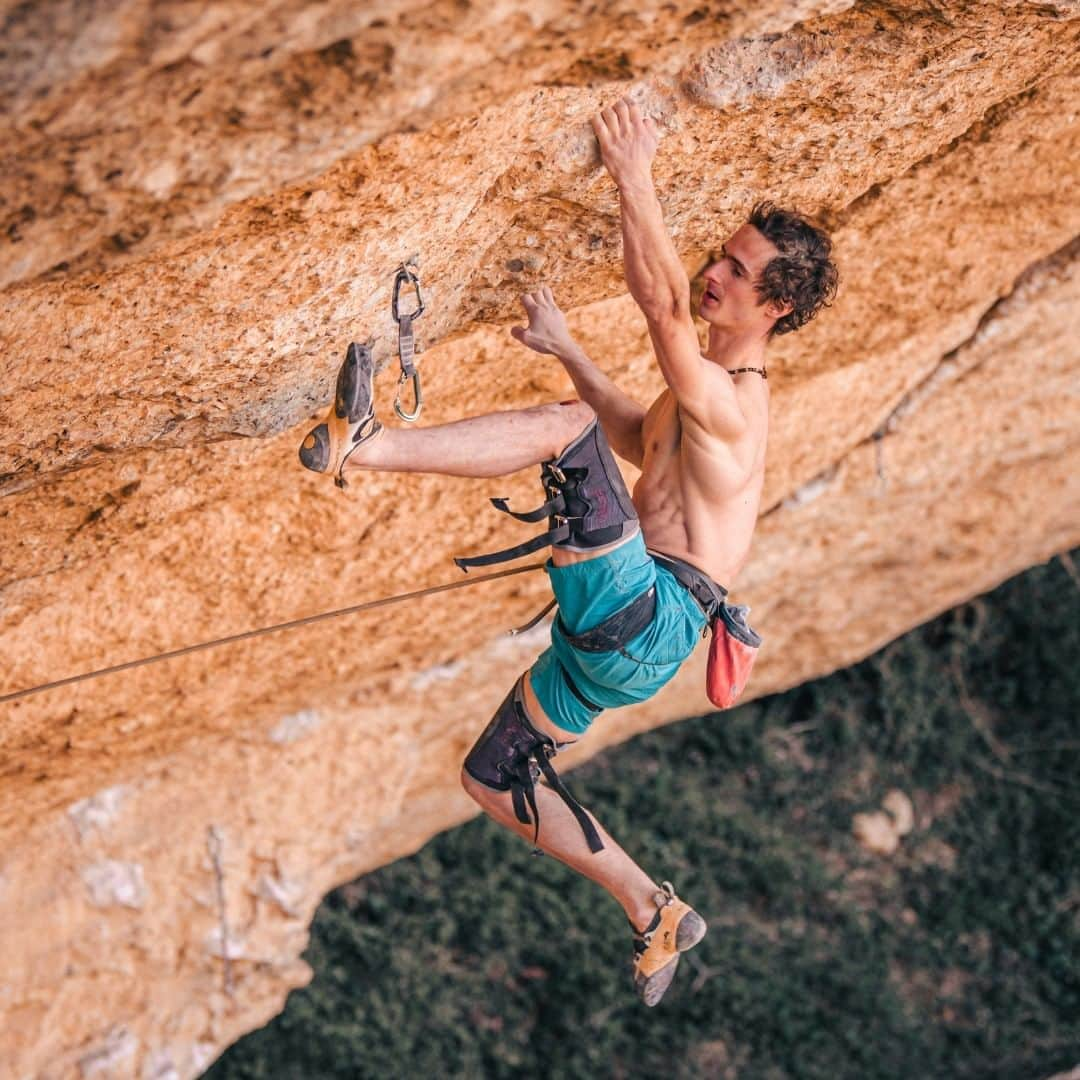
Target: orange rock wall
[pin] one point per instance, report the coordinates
(201, 205)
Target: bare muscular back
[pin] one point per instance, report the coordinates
(698, 494)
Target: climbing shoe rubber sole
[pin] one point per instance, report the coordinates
(350, 421)
(675, 928)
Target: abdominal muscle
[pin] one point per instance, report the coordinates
(695, 500)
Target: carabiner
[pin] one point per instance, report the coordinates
(405, 274)
(407, 350)
(418, 397)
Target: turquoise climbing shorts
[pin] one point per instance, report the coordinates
(588, 592)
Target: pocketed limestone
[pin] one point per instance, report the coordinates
(200, 212)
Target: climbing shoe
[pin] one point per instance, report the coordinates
(675, 928)
(350, 421)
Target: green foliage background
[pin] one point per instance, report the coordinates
(957, 957)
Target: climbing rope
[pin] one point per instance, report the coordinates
(368, 606)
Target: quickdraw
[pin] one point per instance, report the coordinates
(407, 350)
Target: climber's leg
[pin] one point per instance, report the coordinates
(500, 773)
(588, 508)
(561, 834)
(350, 437)
(493, 444)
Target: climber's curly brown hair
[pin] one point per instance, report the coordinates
(802, 274)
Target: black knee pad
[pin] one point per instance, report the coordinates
(587, 507)
(511, 754)
(508, 744)
(598, 508)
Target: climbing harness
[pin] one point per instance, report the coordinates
(407, 274)
(232, 638)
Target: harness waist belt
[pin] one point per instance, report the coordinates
(709, 595)
(616, 630)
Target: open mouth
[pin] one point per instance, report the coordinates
(710, 295)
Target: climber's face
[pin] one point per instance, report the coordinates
(730, 300)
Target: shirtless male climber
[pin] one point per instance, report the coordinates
(635, 577)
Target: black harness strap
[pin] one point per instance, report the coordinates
(554, 536)
(709, 595)
(592, 837)
(523, 790)
(617, 629)
(587, 503)
(554, 510)
(518, 801)
(577, 692)
(552, 506)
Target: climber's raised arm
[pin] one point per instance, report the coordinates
(654, 274)
(619, 414)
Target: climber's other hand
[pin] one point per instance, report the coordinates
(547, 331)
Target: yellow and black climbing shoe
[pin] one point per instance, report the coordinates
(350, 421)
(675, 928)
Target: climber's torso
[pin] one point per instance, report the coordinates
(698, 494)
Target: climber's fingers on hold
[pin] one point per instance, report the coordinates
(609, 124)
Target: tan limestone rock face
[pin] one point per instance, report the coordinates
(201, 210)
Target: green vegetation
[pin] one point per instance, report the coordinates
(959, 956)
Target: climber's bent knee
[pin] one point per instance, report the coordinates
(476, 790)
(510, 755)
(563, 421)
(576, 416)
(506, 746)
(587, 507)
(598, 508)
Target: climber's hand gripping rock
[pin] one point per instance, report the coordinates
(628, 142)
(547, 331)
